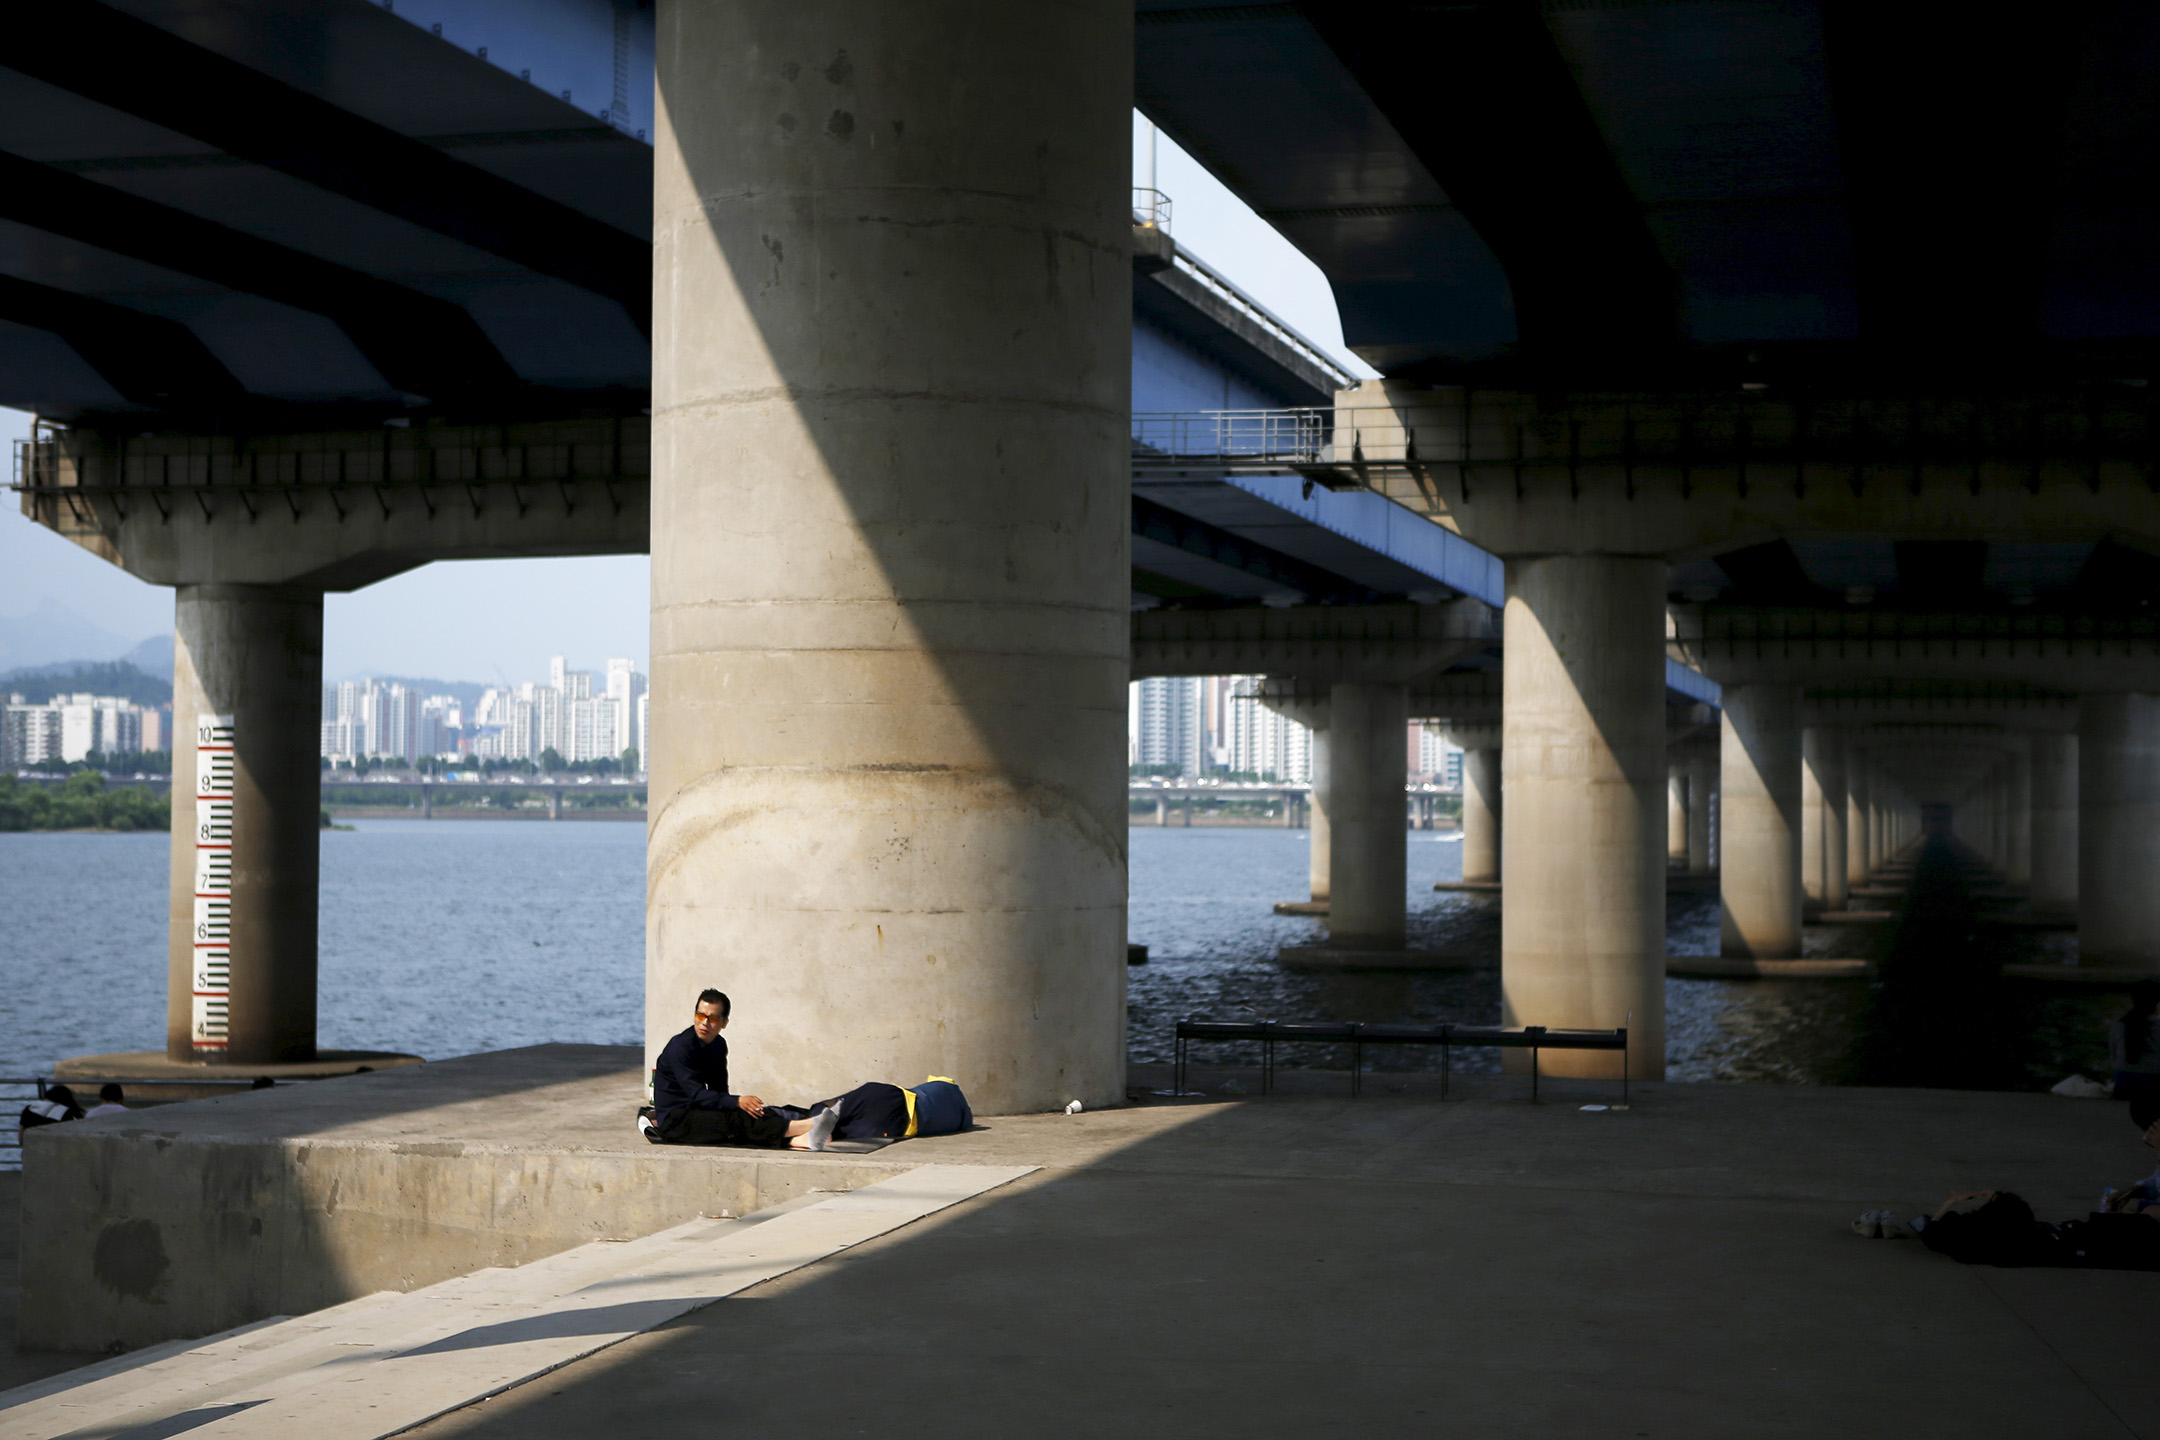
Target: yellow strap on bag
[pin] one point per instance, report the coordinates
(911, 1101)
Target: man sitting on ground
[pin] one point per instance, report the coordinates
(691, 1103)
(112, 1100)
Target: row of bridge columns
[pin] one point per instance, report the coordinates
(891, 600)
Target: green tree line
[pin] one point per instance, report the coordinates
(83, 803)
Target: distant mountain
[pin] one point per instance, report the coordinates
(39, 683)
(153, 656)
(53, 634)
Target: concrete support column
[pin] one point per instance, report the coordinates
(1760, 878)
(1879, 819)
(2054, 844)
(1859, 847)
(1676, 813)
(1481, 820)
(1702, 786)
(1582, 934)
(1368, 840)
(1320, 847)
(2119, 830)
(246, 824)
(891, 568)
(1822, 817)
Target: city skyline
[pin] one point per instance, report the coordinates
(375, 718)
(1211, 724)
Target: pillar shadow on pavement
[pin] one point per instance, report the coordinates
(1316, 1266)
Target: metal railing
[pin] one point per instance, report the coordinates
(1151, 208)
(1282, 439)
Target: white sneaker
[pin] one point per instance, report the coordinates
(1869, 1225)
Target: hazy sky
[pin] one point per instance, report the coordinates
(488, 620)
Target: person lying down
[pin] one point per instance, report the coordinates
(692, 1104)
(1995, 1227)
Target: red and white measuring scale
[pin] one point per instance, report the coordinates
(214, 762)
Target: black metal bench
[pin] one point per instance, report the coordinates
(1358, 1035)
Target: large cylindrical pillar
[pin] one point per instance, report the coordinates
(2054, 845)
(1582, 932)
(1822, 818)
(891, 569)
(2119, 830)
(1823, 755)
(1481, 817)
(1760, 878)
(1676, 813)
(246, 807)
(1702, 787)
(1319, 839)
(1368, 841)
(1859, 840)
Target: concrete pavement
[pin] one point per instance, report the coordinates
(1315, 1266)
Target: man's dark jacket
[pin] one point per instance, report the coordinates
(692, 1073)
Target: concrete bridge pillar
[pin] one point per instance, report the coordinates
(2054, 843)
(1702, 802)
(1822, 817)
(1760, 878)
(1481, 816)
(247, 710)
(1859, 837)
(2018, 861)
(1368, 764)
(1319, 839)
(2119, 830)
(1582, 932)
(890, 542)
(1676, 815)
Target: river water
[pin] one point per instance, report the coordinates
(446, 937)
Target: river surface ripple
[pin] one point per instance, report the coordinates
(447, 937)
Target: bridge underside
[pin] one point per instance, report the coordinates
(1802, 347)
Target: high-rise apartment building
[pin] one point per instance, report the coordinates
(70, 728)
(1211, 724)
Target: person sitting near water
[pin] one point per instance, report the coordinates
(692, 1105)
(1995, 1227)
(54, 1107)
(112, 1100)
(2134, 1043)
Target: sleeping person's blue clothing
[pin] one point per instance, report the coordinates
(693, 1073)
(940, 1108)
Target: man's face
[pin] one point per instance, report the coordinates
(707, 1021)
